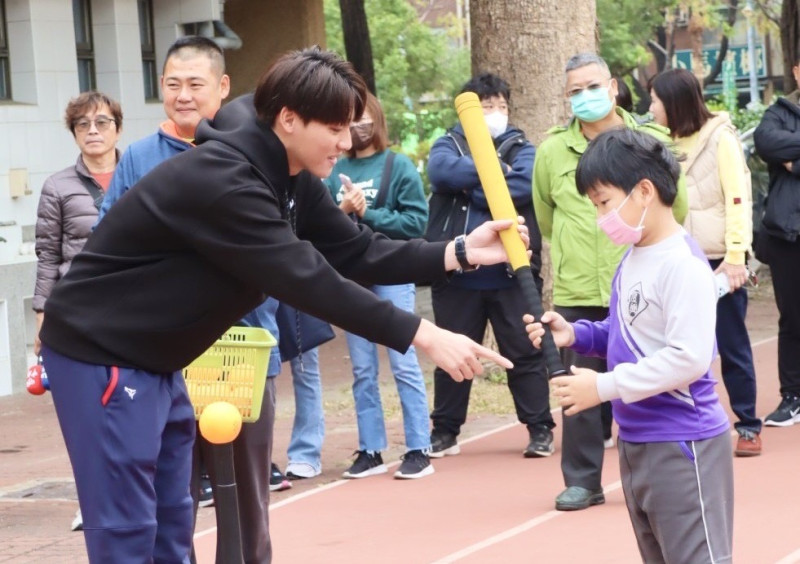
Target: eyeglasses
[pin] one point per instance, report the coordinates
(591, 87)
(102, 123)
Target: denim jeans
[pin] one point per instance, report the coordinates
(736, 357)
(308, 430)
(407, 375)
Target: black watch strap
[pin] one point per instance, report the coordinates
(461, 254)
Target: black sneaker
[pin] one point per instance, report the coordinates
(277, 481)
(541, 442)
(365, 465)
(787, 413)
(206, 497)
(416, 464)
(443, 444)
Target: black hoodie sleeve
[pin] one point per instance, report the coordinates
(243, 234)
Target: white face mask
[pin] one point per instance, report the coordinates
(497, 122)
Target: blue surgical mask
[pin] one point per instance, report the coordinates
(591, 105)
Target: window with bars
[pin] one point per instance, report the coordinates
(84, 44)
(147, 38)
(5, 63)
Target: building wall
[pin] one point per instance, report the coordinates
(34, 142)
(267, 29)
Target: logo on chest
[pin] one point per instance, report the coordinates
(636, 302)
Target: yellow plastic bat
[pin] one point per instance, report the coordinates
(481, 147)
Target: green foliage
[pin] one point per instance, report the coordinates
(418, 70)
(743, 118)
(625, 27)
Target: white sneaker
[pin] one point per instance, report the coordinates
(300, 470)
(77, 522)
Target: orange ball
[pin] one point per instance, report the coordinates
(220, 422)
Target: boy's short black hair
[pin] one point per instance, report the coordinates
(198, 44)
(622, 158)
(316, 84)
(486, 85)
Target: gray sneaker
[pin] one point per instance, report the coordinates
(575, 497)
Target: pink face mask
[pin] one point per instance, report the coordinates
(617, 230)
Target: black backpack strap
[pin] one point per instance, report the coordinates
(460, 141)
(508, 149)
(96, 193)
(386, 178)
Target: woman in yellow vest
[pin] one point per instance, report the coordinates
(720, 219)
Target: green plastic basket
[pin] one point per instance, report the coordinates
(234, 369)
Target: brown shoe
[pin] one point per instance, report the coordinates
(748, 444)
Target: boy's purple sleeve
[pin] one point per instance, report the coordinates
(591, 337)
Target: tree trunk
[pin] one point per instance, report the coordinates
(790, 41)
(357, 45)
(528, 43)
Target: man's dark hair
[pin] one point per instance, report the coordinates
(622, 158)
(486, 85)
(682, 96)
(624, 98)
(192, 45)
(316, 84)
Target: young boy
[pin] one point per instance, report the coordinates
(674, 446)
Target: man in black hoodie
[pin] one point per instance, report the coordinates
(777, 140)
(165, 275)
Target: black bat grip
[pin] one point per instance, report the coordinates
(229, 537)
(552, 358)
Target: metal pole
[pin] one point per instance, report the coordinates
(751, 55)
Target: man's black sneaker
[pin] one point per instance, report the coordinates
(541, 442)
(365, 465)
(443, 444)
(788, 412)
(416, 464)
(277, 481)
(206, 496)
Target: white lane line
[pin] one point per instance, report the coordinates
(764, 341)
(512, 532)
(792, 558)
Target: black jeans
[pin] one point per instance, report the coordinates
(467, 311)
(784, 264)
(736, 357)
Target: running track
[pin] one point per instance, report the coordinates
(489, 504)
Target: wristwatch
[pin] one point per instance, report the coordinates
(461, 254)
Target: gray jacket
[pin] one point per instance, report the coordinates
(65, 218)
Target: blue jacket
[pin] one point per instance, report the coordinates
(140, 158)
(453, 173)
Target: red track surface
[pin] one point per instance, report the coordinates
(489, 504)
